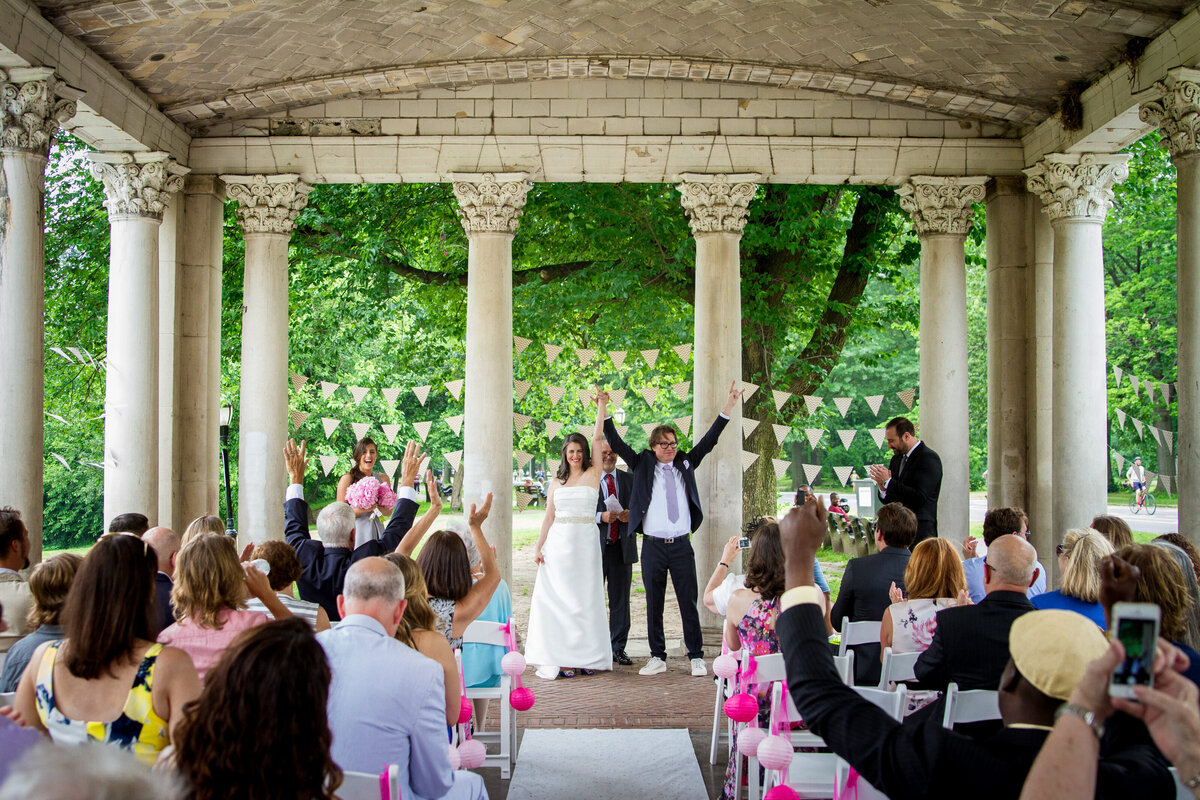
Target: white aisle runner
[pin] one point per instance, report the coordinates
(614, 764)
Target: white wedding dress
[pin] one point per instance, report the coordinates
(568, 626)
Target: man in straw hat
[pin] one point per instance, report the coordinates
(1050, 651)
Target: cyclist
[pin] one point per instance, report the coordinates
(1136, 476)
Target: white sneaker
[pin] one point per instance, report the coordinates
(698, 668)
(655, 666)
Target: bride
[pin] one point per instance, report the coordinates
(567, 623)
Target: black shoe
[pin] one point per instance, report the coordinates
(622, 658)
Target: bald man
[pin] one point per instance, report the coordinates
(165, 544)
(970, 645)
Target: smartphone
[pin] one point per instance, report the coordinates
(744, 543)
(1136, 626)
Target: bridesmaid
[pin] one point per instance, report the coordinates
(366, 520)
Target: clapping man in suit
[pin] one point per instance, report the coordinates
(664, 507)
(618, 547)
(914, 477)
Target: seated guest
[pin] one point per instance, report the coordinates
(837, 505)
(209, 523)
(210, 600)
(998, 522)
(919, 758)
(1115, 529)
(166, 546)
(1079, 558)
(285, 569)
(14, 584)
(132, 522)
(934, 580)
(481, 662)
(1159, 579)
(453, 595)
(867, 581)
(418, 630)
(1184, 544)
(91, 771)
(108, 681)
(49, 583)
(970, 645)
(259, 729)
(387, 702)
(1184, 559)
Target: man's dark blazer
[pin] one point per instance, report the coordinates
(920, 759)
(164, 609)
(917, 488)
(625, 534)
(642, 466)
(864, 596)
(324, 568)
(970, 643)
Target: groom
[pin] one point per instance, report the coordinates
(665, 508)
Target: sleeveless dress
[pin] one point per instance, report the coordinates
(568, 626)
(913, 625)
(139, 729)
(366, 528)
(757, 632)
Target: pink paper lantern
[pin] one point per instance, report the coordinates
(781, 792)
(748, 741)
(455, 759)
(464, 711)
(741, 707)
(775, 752)
(521, 698)
(513, 663)
(725, 666)
(472, 752)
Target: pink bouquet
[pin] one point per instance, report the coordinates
(386, 498)
(364, 493)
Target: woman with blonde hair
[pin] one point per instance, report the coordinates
(209, 523)
(1079, 560)
(935, 580)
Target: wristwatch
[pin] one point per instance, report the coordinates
(1088, 717)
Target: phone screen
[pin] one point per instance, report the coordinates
(1137, 636)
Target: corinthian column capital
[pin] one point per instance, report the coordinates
(717, 203)
(940, 205)
(33, 104)
(1177, 111)
(137, 184)
(1077, 185)
(490, 202)
(267, 203)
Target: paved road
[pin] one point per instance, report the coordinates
(1165, 520)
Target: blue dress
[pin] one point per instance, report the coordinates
(1058, 600)
(481, 662)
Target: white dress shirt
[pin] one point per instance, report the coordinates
(656, 523)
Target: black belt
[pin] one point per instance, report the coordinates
(672, 540)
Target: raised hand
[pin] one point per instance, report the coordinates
(801, 533)
(258, 584)
(896, 593)
(735, 394)
(1118, 582)
(476, 518)
(602, 397)
(731, 550)
(969, 546)
(410, 466)
(431, 488)
(295, 459)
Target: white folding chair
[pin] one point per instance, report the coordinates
(365, 786)
(725, 690)
(975, 705)
(480, 632)
(897, 667)
(863, 789)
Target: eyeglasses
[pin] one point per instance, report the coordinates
(672, 445)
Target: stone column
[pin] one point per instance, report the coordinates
(942, 213)
(168, 269)
(267, 208)
(1007, 332)
(196, 389)
(137, 187)
(1076, 190)
(1177, 114)
(33, 103)
(489, 205)
(716, 207)
(1040, 384)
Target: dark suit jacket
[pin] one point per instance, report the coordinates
(920, 759)
(164, 609)
(917, 488)
(864, 596)
(324, 568)
(625, 534)
(642, 465)
(970, 643)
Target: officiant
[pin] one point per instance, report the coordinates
(618, 547)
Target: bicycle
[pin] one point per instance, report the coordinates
(1146, 503)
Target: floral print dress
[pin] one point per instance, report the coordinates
(757, 631)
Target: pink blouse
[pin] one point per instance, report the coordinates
(205, 645)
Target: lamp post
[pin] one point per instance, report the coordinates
(619, 416)
(226, 418)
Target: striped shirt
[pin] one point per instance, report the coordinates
(301, 608)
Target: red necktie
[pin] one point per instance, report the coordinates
(612, 492)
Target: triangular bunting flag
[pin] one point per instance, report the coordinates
(811, 471)
(622, 430)
(1121, 418)
(298, 380)
(523, 458)
(1150, 476)
(391, 395)
(684, 424)
(1169, 440)
(360, 429)
(520, 421)
(520, 343)
(748, 389)
(389, 466)
(553, 464)
(1120, 461)
(684, 351)
(617, 396)
(587, 396)
(650, 357)
(422, 393)
(62, 461)
(681, 389)
(552, 428)
(523, 500)
(812, 403)
(584, 355)
(843, 474)
(455, 422)
(1137, 423)
(585, 430)
(649, 394)
(1155, 433)
(1165, 388)
(60, 417)
(1166, 479)
(781, 433)
(814, 435)
(874, 402)
(618, 357)
(521, 388)
(452, 458)
(847, 437)
(1133, 381)
(780, 398)
(455, 388)
(648, 427)
(75, 352)
(330, 425)
(748, 460)
(552, 351)
(423, 428)
(70, 360)
(1117, 373)
(327, 389)
(556, 393)
(906, 397)
(299, 418)
(390, 430)
(879, 435)
(328, 463)
(358, 393)
(781, 467)
(842, 404)
(748, 426)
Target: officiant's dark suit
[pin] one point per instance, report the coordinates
(916, 480)
(618, 548)
(667, 554)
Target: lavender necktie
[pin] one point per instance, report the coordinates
(669, 485)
